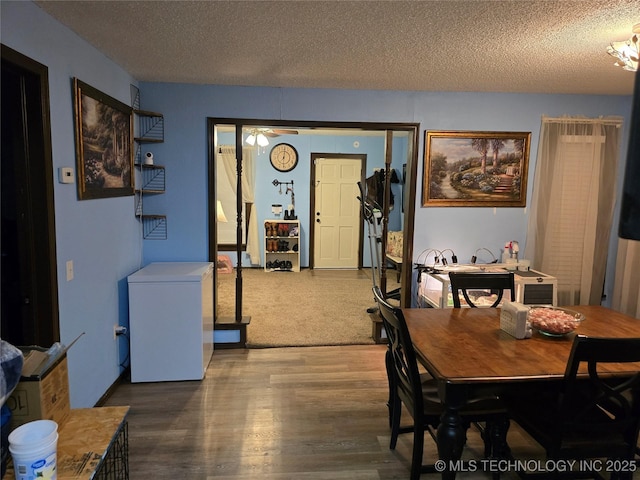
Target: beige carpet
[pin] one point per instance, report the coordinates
(309, 308)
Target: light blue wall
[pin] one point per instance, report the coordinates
(463, 230)
(102, 237)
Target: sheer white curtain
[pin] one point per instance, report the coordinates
(228, 157)
(626, 289)
(572, 204)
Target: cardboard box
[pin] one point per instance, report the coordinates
(42, 396)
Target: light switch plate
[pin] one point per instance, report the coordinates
(69, 270)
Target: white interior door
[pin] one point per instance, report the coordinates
(337, 213)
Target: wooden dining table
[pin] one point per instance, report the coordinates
(468, 354)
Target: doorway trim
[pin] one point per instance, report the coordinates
(41, 271)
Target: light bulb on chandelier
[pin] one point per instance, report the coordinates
(263, 141)
(257, 137)
(627, 52)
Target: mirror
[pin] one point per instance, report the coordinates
(391, 145)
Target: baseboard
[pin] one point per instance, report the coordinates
(230, 324)
(122, 378)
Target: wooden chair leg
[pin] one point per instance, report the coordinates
(418, 447)
(495, 441)
(485, 434)
(499, 446)
(388, 361)
(395, 423)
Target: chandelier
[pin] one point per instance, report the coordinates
(256, 136)
(627, 53)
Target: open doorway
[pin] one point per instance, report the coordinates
(397, 143)
(29, 277)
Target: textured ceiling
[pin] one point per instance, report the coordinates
(547, 46)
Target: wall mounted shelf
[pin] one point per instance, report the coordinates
(154, 227)
(150, 130)
(150, 178)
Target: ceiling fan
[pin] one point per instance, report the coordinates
(259, 135)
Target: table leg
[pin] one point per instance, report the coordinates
(451, 437)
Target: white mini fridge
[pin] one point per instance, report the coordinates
(171, 321)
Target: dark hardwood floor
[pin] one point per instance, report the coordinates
(307, 413)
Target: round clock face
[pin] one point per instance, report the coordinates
(284, 157)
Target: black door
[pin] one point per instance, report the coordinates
(29, 279)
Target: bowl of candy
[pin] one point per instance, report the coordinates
(554, 321)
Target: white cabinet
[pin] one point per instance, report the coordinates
(282, 245)
(171, 321)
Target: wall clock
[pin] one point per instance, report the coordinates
(284, 157)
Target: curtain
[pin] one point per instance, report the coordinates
(228, 157)
(572, 205)
(626, 288)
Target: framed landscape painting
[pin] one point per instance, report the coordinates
(475, 169)
(104, 144)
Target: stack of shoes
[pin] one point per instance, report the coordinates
(283, 229)
(272, 229)
(280, 265)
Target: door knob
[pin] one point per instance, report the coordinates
(317, 220)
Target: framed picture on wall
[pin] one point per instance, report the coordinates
(104, 144)
(475, 169)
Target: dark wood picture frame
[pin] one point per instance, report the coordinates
(475, 169)
(104, 144)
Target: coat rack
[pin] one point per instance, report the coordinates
(290, 213)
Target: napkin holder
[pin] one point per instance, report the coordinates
(513, 320)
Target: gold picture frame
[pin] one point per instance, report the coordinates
(475, 169)
(104, 144)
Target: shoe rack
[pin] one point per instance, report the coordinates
(282, 245)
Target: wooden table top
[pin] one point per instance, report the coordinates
(466, 345)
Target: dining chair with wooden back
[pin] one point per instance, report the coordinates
(591, 415)
(409, 388)
(496, 282)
